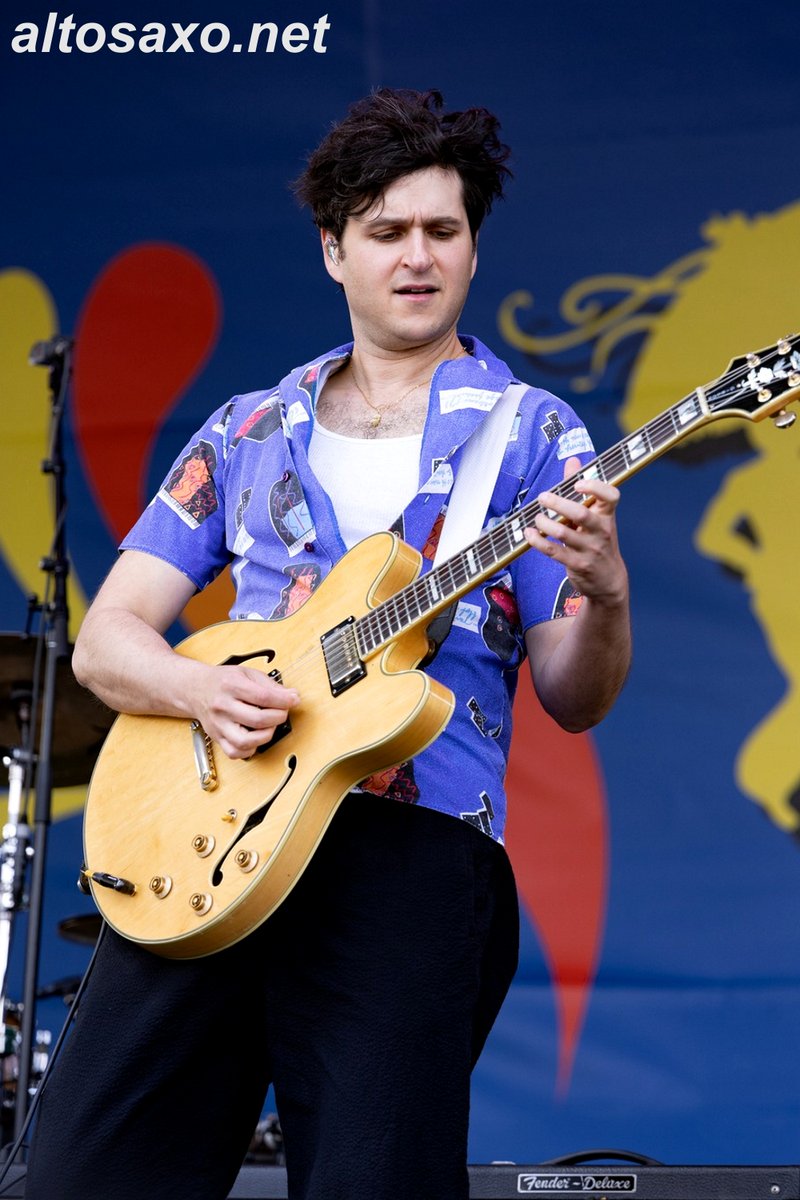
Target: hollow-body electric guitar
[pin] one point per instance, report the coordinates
(187, 850)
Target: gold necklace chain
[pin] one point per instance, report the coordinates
(376, 420)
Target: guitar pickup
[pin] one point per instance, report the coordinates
(342, 660)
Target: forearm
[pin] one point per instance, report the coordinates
(582, 676)
(130, 666)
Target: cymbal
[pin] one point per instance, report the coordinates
(80, 720)
(83, 929)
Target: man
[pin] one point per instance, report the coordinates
(367, 997)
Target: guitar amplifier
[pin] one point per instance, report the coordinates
(657, 1182)
(506, 1181)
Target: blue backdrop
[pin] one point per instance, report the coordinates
(651, 232)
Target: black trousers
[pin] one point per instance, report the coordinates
(366, 999)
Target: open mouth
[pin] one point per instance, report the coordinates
(421, 290)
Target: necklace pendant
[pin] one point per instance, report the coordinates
(375, 422)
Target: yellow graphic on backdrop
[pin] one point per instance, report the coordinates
(27, 315)
(737, 293)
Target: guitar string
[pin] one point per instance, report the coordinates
(614, 457)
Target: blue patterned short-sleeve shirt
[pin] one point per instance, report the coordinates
(242, 492)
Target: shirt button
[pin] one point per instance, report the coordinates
(286, 476)
(309, 547)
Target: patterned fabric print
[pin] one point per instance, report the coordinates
(254, 502)
(397, 783)
(432, 540)
(308, 382)
(289, 513)
(303, 578)
(502, 631)
(265, 421)
(483, 816)
(568, 601)
(190, 489)
(480, 719)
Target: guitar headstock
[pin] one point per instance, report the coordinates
(759, 385)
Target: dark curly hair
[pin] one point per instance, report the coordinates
(391, 133)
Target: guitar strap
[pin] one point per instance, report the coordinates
(471, 493)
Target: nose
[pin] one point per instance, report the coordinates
(416, 251)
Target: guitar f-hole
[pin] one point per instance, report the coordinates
(254, 819)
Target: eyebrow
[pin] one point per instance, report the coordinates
(382, 220)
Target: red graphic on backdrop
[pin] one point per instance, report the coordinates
(558, 842)
(147, 328)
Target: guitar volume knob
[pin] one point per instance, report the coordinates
(246, 860)
(161, 886)
(203, 844)
(200, 903)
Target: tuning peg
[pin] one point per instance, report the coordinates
(783, 418)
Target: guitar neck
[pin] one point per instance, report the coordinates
(749, 389)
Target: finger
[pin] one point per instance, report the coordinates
(591, 485)
(252, 716)
(254, 687)
(555, 506)
(540, 541)
(242, 741)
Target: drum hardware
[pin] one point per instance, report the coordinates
(50, 733)
(266, 1144)
(83, 929)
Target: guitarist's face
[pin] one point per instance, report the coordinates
(407, 262)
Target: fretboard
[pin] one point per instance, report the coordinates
(754, 386)
(420, 601)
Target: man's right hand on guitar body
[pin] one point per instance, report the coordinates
(121, 655)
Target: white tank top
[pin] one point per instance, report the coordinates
(369, 480)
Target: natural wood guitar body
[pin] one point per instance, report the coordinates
(149, 819)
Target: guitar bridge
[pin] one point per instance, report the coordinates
(342, 660)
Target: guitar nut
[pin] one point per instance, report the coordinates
(161, 886)
(200, 903)
(202, 844)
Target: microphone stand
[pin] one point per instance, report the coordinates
(55, 354)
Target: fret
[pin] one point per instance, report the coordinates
(593, 471)
(384, 623)
(687, 411)
(366, 635)
(636, 447)
(515, 530)
(753, 386)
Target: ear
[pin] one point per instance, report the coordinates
(330, 254)
(474, 256)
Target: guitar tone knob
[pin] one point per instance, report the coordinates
(161, 886)
(200, 903)
(246, 860)
(202, 844)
